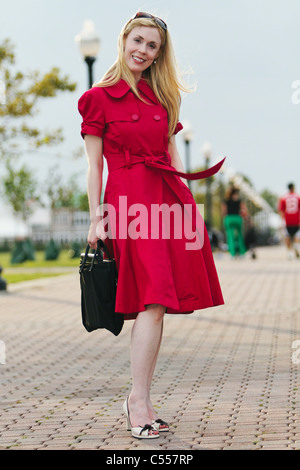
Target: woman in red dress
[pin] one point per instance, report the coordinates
(131, 118)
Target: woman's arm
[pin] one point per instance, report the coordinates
(175, 157)
(224, 209)
(94, 152)
(244, 211)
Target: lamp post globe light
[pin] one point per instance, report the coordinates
(206, 150)
(89, 43)
(187, 135)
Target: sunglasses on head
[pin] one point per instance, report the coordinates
(158, 21)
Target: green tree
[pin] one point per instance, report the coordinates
(20, 191)
(22, 94)
(271, 198)
(65, 194)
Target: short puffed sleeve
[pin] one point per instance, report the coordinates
(178, 128)
(91, 108)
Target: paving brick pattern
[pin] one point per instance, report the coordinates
(225, 377)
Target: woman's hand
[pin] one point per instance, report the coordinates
(92, 236)
(96, 232)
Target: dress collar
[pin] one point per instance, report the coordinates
(118, 90)
(121, 88)
(147, 90)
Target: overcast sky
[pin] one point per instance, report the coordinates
(245, 57)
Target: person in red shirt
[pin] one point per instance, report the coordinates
(131, 118)
(289, 209)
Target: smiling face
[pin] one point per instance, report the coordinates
(142, 47)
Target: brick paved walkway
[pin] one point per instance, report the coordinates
(225, 377)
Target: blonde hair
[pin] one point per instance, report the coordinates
(163, 77)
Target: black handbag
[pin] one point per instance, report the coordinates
(98, 282)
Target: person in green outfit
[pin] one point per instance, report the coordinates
(234, 210)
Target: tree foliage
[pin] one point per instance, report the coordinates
(23, 92)
(65, 194)
(271, 198)
(20, 191)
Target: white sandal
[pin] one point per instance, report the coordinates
(160, 425)
(140, 432)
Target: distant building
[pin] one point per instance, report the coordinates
(66, 225)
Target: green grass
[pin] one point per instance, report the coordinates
(12, 278)
(63, 260)
(29, 270)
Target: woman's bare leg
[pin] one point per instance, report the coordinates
(145, 343)
(151, 410)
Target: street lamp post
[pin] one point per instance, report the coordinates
(187, 135)
(90, 61)
(88, 42)
(206, 149)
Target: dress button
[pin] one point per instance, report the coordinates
(157, 117)
(135, 117)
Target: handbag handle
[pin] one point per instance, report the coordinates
(100, 245)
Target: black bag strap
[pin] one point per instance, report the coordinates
(98, 253)
(101, 245)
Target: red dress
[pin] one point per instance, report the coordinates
(154, 266)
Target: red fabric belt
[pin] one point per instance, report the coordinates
(162, 162)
